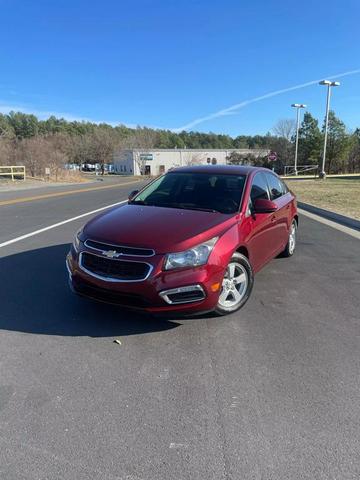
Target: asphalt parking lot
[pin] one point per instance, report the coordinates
(269, 393)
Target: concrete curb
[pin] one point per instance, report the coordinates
(335, 217)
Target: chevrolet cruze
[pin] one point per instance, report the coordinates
(188, 242)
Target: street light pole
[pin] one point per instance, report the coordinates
(297, 106)
(329, 85)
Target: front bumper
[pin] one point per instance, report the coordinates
(158, 293)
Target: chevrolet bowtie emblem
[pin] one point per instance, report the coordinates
(111, 254)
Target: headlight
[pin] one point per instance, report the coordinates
(191, 258)
(77, 241)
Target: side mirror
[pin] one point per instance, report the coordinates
(262, 205)
(132, 194)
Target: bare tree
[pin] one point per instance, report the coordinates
(80, 149)
(190, 158)
(103, 145)
(285, 128)
(6, 151)
(38, 153)
(140, 160)
(236, 158)
(141, 139)
(30, 152)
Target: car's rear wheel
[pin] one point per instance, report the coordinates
(291, 245)
(236, 286)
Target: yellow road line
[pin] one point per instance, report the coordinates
(61, 194)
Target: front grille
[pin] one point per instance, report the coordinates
(108, 296)
(114, 269)
(120, 249)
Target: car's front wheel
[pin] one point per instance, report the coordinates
(236, 286)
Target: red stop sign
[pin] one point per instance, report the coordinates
(272, 156)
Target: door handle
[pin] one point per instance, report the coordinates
(273, 218)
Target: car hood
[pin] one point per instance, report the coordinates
(162, 229)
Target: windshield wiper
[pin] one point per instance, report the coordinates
(182, 206)
(203, 209)
(142, 202)
(137, 202)
(173, 205)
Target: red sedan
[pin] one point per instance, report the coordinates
(190, 241)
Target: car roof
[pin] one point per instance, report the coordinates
(219, 169)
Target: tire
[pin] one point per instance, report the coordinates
(291, 244)
(234, 294)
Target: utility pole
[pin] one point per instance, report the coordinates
(329, 85)
(297, 106)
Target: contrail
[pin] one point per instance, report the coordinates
(233, 109)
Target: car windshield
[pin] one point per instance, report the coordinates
(194, 191)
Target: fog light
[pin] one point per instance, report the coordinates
(188, 294)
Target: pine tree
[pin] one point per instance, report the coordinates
(310, 141)
(337, 145)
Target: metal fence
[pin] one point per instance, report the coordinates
(301, 170)
(15, 172)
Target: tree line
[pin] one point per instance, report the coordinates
(26, 140)
(343, 146)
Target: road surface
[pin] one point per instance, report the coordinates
(269, 393)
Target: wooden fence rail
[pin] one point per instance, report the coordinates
(13, 171)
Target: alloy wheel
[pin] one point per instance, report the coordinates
(292, 238)
(234, 285)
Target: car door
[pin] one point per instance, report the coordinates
(260, 239)
(277, 191)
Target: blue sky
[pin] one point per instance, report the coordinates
(168, 63)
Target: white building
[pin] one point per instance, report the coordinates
(157, 161)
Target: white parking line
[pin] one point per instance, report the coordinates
(41, 230)
(330, 223)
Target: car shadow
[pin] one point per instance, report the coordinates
(35, 298)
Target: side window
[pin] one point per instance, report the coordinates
(275, 186)
(259, 188)
(284, 187)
